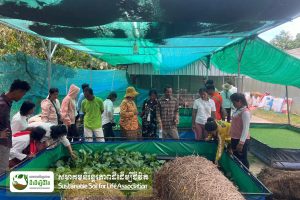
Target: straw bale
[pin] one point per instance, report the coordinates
(193, 178)
(283, 184)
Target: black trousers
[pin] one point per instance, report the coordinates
(228, 111)
(73, 133)
(241, 156)
(108, 132)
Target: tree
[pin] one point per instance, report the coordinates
(284, 40)
(13, 41)
(297, 40)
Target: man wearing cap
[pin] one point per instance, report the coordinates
(226, 104)
(233, 89)
(129, 115)
(92, 107)
(167, 115)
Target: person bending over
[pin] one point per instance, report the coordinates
(55, 134)
(220, 131)
(25, 145)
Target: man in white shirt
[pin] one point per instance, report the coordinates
(19, 121)
(203, 108)
(55, 133)
(108, 116)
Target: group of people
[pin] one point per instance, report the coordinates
(235, 136)
(208, 120)
(23, 137)
(158, 114)
(212, 118)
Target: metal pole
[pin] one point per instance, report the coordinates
(91, 81)
(239, 66)
(49, 65)
(113, 80)
(206, 73)
(49, 53)
(53, 50)
(242, 86)
(66, 85)
(178, 86)
(287, 104)
(151, 81)
(207, 66)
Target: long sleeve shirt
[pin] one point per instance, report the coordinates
(128, 115)
(240, 124)
(47, 126)
(218, 103)
(108, 114)
(167, 112)
(5, 107)
(68, 106)
(18, 123)
(49, 111)
(224, 138)
(80, 99)
(226, 99)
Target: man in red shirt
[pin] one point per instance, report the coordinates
(217, 98)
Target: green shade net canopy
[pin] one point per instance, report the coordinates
(169, 34)
(260, 61)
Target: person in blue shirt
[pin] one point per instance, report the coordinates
(80, 99)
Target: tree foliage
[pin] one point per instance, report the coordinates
(285, 41)
(297, 40)
(13, 41)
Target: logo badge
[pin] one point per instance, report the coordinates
(30, 181)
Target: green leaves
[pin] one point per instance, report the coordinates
(284, 40)
(60, 163)
(106, 160)
(14, 41)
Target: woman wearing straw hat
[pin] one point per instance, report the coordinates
(129, 115)
(226, 104)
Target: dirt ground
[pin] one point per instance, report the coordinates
(255, 119)
(285, 185)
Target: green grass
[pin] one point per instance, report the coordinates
(277, 138)
(276, 117)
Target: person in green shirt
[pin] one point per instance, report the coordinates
(92, 107)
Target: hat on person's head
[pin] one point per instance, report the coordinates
(131, 92)
(226, 86)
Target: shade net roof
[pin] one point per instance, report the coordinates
(169, 34)
(260, 61)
